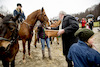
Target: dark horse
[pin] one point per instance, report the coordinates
(26, 28)
(8, 40)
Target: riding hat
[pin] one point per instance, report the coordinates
(18, 4)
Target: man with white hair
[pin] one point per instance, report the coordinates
(69, 27)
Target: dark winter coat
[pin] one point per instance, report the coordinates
(83, 56)
(41, 33)
(70, 25)
(22, 16)
(91, 24)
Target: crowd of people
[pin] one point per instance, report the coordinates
(77, 43)
(88, 24)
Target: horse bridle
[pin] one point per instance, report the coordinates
(12, 41)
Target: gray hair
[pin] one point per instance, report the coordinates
(62, 12)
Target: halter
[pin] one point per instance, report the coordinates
(28, 24)
(13, 37)
(10, 44)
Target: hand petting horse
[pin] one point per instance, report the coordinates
(8, 40)
(26, 28)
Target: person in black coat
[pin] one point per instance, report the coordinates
(91, 24)
(69, 27)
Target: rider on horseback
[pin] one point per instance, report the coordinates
(17, 11)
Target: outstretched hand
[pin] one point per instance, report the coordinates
(48, 27)
(60, 32)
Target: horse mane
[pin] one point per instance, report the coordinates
(6, 25)
(7, 18)
(32, 15)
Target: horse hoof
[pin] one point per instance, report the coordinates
(24, 61)
(35, 46)
(43, 58)
(30, 57)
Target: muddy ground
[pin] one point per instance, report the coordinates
(58, 60)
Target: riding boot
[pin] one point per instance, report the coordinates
(43, 54)
(49, 53)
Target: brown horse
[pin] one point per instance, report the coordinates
(8, 40)
(55, 25)
(26, 28)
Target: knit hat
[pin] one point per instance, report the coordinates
(18, 4)
(84, 34)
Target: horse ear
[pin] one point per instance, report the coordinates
(16, 17)
(42, 9)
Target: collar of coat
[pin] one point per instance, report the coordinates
(66, 17)
(19, 10)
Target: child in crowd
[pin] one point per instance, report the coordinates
(81, 53)
(87, 26)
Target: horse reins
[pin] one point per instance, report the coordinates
(28, 24)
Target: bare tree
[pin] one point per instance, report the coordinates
(95, 10)
(4, 10)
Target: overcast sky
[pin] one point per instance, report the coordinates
(52, 7)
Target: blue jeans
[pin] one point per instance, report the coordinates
(43, 43)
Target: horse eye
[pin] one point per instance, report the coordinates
(44, 15)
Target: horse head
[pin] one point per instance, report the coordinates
(42, 17)
(9, 28)
(10, 17)
(8, 39)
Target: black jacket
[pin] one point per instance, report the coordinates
(70, 25)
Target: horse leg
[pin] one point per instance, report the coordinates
(5, 63)
(35, 42)
(38, 40)
(51, 39)
(57, 40)
(13, 63)
(24, 41)
(29, 41)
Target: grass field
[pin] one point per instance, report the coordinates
(96, 24)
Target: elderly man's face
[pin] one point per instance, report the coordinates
(61, 16)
